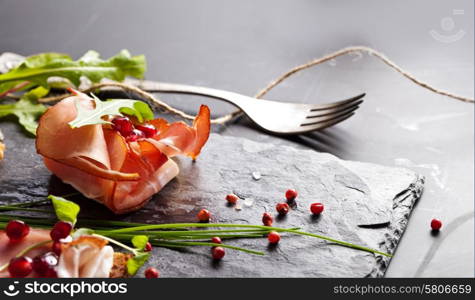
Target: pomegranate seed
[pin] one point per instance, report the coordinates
(56, 248)
(123, 125)
(44, 264)
(436, 224)
(291, 194)
(267, 219)
(216, 240)
(218, 253)
(316, 208)
(51, 273)
(282, 208)
(20, 266)
(232, 199)
(148, 247)
(148, 129)
(152, 273)
(135, 135)
(17, 230)
(60, 230)
(273, 237)
(203, 215)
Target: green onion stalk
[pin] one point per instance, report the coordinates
(174, 235)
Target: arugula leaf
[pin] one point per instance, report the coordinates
(140, 241)
(38, 68)
(134, 263)
(136, 108)
(26, 109)
(65, 210)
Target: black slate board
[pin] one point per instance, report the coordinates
(365, 204)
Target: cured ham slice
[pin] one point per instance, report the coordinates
(84, 257)
(9, 249)
(100, 163)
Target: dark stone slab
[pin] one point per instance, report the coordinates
(365, 204)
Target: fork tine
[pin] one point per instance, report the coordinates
(338, 109)
(318, 120)
(328, 123)
(326, 106)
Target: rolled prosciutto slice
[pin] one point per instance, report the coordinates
(106, 165)
(84, 257)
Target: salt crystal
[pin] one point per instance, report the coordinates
(238, 207)
(256, 175)
(248, 202)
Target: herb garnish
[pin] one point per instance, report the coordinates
(175, 235)
(136, 108)
(36, 72)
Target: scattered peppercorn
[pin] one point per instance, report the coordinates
(316, 208)
(152, 273)
(267, 219)
(282, 208)
(232, 199)
(273, 237)
(436, 224)
(291, 194)
(203, 215)
(218, 253)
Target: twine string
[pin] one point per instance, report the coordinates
(226, 118)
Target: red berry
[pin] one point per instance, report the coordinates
(148, 129)
(17, 230)
(135, 135)
(316, 208)
(51, 273)
(291, 194)
(282, 208)
(44, 264)
(436, 224)
(273, 237)
(148, 247)
(20, 266)
(232, 199)
(152, 273)
(60, 230)
(218, 253)
(216, 240)
(203, 215)
(56, 248)
(123, 125)
(267, 219)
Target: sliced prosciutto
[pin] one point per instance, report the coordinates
(9, 249)
(103, 165)
(84, 257)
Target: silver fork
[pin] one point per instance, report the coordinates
(280, 118)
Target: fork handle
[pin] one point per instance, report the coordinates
(163, 87)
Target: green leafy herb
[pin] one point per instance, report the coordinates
(139, 242)
(37, 69)
(134, 263)
(41, 72)
(136, 108)
(27, 109)
(65, 210)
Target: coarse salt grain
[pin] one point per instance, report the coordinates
(256, 175)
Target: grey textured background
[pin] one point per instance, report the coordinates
(242, 45)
